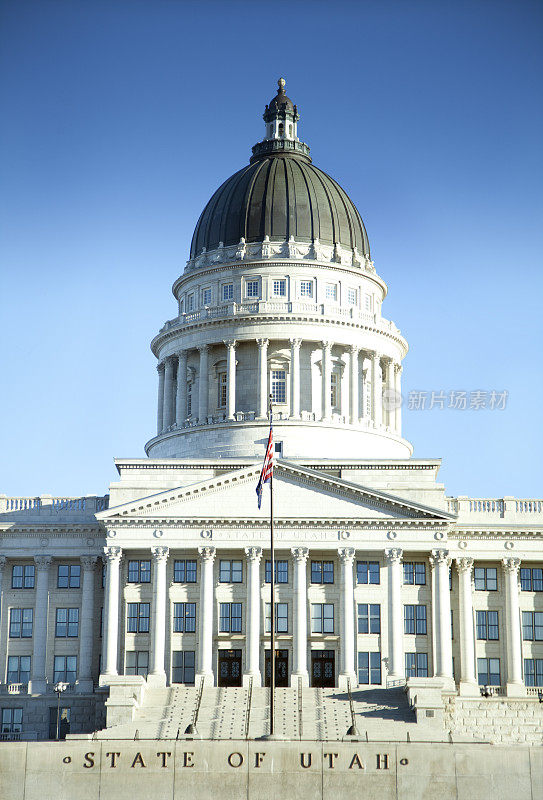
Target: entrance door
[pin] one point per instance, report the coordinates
(323, 672)
(281, 668)
(229, 668)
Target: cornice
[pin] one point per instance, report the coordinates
(193, 524)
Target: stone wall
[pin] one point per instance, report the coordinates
(168, 770)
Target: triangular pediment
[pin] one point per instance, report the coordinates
(298, 493)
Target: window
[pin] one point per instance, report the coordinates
(367, 302)
(369, 618)
(137, 662)
(322, 572)
(252, 289)
(281, 572)
(183, 664)
(414, 619)
(20, 623)
(281, 129)
(182, 306)
(18, 669)
(369, 668)
(306, 288)
(230, 618)
(351, 297)
(279, 288)
(414, 573)
(487, 625)
(322, 618)
(531, 579)
(65, 669)
(230, 571)
(367, 572)
(22, 576)
(189, 398)
(331, 291)
(137, 618)
(206, 297)
(416, 665)
(139, 572)
(486, 578)
(67, 622)
(221, 390)
(488, 671)
(227, 294)
(184, 617)
(12, 720)
(190, 302)
(533, 671)
(279, 386)
(532, 626)
(184, 571)
(281, 618)
(69, 576)
(335, 389)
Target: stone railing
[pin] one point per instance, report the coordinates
(329, 310)
(507, 508)
(14, 688)
(46, 504)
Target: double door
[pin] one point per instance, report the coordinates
(323, 668)
(281, 668)
(229, 668)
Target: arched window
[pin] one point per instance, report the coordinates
(281, 129)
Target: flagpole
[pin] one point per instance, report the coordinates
(272, 608)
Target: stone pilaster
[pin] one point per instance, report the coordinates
(346, 619)
(252, 660)
(439, 561)
(157, 674)
(181, 400)
(396, 666)
(295, 345)
(468, 673)
(515, 685)
(160, 409)
(203, 384)
(86, 633)
(262, 400)
(110, 644)
(168, 392)
(326, 381)
(299, 644)
(353, 386)
(41, 608)
(230, 378)
(376, 389)
(205, 639)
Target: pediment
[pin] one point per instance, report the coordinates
(298, 493)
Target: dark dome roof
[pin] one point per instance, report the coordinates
(280, 196)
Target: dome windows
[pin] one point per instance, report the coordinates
(252, 289)
(306, 288)
(228, 291)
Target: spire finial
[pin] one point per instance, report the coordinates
(281, 84)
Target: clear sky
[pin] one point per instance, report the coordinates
(120, 119)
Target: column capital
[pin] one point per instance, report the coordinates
(88, 562)
(230, 343)
(394, 555)
(439, 557)
(182, 354)
(295, 343)
(511, 565)
(375, 355)
(354, 349)
(262, 343)
(300, 553)
(346, 555)
(327, 346)
(204, 348)
(43, 562)
(397, 367)
(169, 360)
(113, 553)
(464, 564)
(253, 553)
(160, 366)
(160, 553)
(207, 553)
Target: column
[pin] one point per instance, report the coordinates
(252, 660)
(205, 638)
(439, 561)
(353, 385)
(262, 387)
(230, 378)
(326, 380)
(389, 405)
(181, 400)
(398, 411)
(468, 675)
(396, 666)
(160, 410)
(203, 385)
(157, 673)
(41, 609)
(86, 624)
(168, 393)
(299, 639)
(346, 620)
(295, 345)
(377, 390)
(110, 644)
(515, 685)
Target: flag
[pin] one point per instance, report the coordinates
(267, 468)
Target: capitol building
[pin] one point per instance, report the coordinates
(161, 588)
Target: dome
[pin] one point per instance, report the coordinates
(279, 195)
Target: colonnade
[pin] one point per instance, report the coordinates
(383, 383)
(441, 616)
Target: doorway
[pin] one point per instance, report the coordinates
(281, 668)
(229, 668)
(323, 668)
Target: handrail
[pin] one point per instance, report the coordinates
(249, 702)
(353, 731)
(300, 706)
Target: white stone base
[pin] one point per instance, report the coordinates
(467, 689)
(515, 690)
(296, 676)
(156, 681)
(256, 677)
(343, 681)
(207, 677)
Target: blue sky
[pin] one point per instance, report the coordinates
(121, 118)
